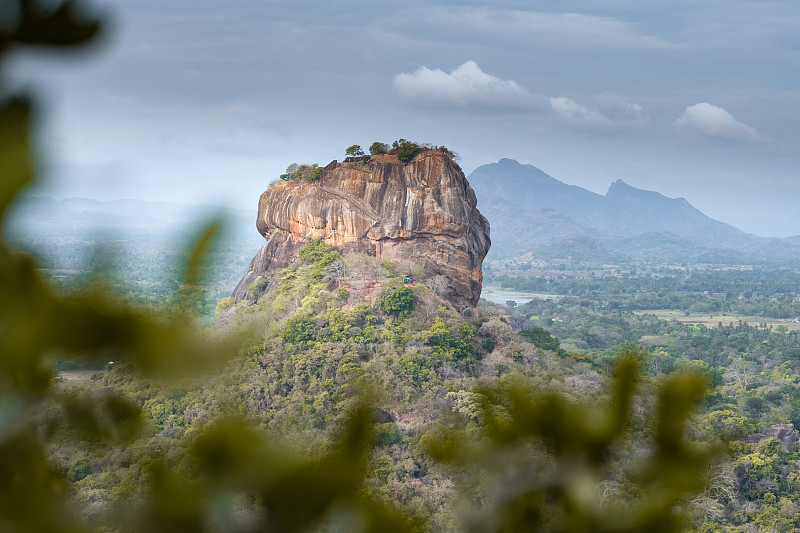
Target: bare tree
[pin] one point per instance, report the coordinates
(335, 272)
(719, 483)
(606, 490)
(428, 306)
(740, 372)
(364, 267)
(525, 354)
(438, 284)
(497, 330)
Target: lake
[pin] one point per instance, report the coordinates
(498, 295)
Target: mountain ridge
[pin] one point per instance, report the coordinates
(510, 193)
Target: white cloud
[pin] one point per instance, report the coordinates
(707, 120)
(608, 112)
(465, 87)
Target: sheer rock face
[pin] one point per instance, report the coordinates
(422, 212)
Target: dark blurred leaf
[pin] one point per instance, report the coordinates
(199, 251)
(105, 419)
(16, 169)
(61, 27)
(173, 505)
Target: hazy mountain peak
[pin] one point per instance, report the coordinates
(506, 162)
(624, 212)
(619, 187)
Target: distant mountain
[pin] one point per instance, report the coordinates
(533, 213)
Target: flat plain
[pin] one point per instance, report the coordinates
(711, 319)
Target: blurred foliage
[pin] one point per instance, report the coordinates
(38, 325)
(545, 457)
(173, 452)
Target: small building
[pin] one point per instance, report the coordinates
(408, 279)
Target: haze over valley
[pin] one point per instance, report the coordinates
(206, 105)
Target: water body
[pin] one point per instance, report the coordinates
(498, 295)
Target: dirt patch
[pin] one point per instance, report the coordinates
(75, 376)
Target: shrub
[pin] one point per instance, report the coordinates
(404, 149)
(398, 302)
(388, 268)
(318, 253)
(449, 153)
(224, 305)
(354, 151)
(79, 469)
(449, 347)
(295, 172)
(541, 338)
(386, 434)
(299, 329)
(415, 367)
(255, 289)
(378, 148)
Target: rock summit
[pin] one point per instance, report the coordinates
(423, 212)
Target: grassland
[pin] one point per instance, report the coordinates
(711, 320)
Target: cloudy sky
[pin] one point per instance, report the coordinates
(208, 101)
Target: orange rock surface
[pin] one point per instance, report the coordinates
(421, 212)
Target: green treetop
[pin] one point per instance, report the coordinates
(354, 151)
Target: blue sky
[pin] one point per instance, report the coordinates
(209, 101)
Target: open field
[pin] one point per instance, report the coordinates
(76, 376)
(711, 320)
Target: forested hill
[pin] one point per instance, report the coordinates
(624, 224)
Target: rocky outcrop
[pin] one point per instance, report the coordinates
(785, 433)
(422, 212)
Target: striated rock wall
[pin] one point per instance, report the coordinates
(423, 212)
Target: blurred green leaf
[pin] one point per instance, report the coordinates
(15, 150)
(541, 457)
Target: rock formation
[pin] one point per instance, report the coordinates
(422, 212)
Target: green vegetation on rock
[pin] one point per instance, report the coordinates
(354, 151)
(404, 150)
(295, 172)
(378, 148)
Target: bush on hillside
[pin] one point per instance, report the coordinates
(398, 302)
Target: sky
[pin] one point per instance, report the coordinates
(204, 101)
